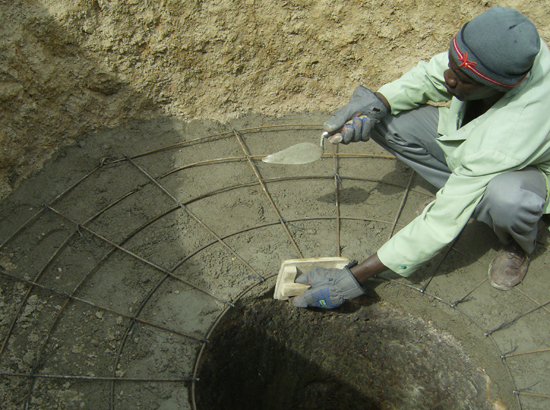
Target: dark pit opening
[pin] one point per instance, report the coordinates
(270, 356)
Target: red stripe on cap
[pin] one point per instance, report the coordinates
(470, 65)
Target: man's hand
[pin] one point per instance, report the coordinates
(329, 287)
(365, 108)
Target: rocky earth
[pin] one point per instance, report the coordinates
(72, 67)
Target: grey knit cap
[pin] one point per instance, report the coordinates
(497, 48)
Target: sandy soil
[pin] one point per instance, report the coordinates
(69, 67)
(129, 278)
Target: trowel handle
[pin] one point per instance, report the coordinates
(337, 134)
(293, 289)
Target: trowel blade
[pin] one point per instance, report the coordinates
(302, 153)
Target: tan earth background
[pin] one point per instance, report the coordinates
(71, 67)
(87, 323)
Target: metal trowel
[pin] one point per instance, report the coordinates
(298, 154)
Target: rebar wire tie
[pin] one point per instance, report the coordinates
(59, 291)
(459, 301)
(78, 226)
(465, 298)
(543, 396)
(503, 325)
(291, 225)
(506, 324)
(513, 346)
(47, 212)
(519, 391)
(337, 177)
(134, 325)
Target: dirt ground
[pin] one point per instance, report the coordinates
(112, 285)
(69, 67)
(108, 275)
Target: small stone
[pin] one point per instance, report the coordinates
(99, 314)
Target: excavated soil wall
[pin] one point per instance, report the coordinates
(72, 67)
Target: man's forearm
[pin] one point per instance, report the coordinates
(369, 267)
(384, 100)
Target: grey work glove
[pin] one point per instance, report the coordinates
(365, 109)
(329, 288)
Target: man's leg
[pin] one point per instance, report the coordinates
(411, 137)
(512, 206)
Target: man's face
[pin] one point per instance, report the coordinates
(463, 87)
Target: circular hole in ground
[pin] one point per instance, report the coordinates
(269, 355)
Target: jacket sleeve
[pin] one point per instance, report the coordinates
(437, 226)
(423, 83)
(444, 219)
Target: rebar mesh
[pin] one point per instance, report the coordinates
(107, 312)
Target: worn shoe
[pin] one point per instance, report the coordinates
(509, 267)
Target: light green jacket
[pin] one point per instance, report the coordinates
(510, 136)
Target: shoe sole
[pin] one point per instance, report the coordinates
(503, 287)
